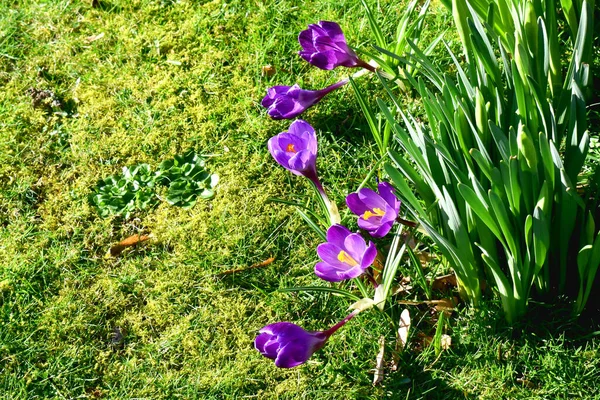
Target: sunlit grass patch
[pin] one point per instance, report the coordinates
(140, 82)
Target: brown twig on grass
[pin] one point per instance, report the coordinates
(253, 266)
(131, 241)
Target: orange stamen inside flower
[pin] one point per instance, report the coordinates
(347, 259)
(290, 148)
(376, 212)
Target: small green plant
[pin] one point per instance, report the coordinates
(123, 194)
(135, 189)
(187, 180)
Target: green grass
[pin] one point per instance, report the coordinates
(168, 76)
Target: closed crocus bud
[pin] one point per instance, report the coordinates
(324, 46)
(376, 211)
(345, 255)
(290, 345)
(286, 102)
(296, 151)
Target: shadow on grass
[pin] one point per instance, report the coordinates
(548, 355)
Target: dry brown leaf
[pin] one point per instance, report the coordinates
(526, 382)
(402, 338)
(93, 38)
(445, 305)
(268, 70)
(403, 328)
(257, 265)
(378, 376)
(446, 341)
(132, 240)
(401, 289)
(409, 239)
(424, 257)
(378, 266)
(425, 339)
(444, 283)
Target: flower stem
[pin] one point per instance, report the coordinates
(408, 223)
(365, 65)
(330, 208)
(372, 280)
(331, 88)
(337, 326)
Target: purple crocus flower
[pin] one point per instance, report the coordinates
(290, 345)
(286, 102)
(325, 47)
(377, 212)
(345, 255)
(296, 151)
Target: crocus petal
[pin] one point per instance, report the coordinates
(261, 340)
(355, 245)
(329, 253)
(305, 38)
(332, 30)
(299, 126)
(336, 234)
(292, 355)
(376, 211)
(369, 255)
(285, 102)
(301, 161)
(374, 222)
(355, 205)
(386, 224)
(387, 192)
(371, 199)
(327, 273)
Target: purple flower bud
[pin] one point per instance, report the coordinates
(285, 102)
(296, 149)
(377, 212)
(290, 345)
(345, 255)
(325, 47)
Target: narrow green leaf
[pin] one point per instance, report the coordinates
(375, 28)
(480, 208)
(503, 221)
(404, 191)
(312, 224)
(321, 289)
(504, 287)
(369, 115)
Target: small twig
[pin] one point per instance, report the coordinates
(253, 266)
(131, 241)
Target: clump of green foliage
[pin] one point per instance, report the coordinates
(187, 180)
(135, 189)
(123, 194)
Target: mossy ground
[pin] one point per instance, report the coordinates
(138, 82)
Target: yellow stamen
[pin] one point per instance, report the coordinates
(346, 259)
(376, 212)
(290, 148)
